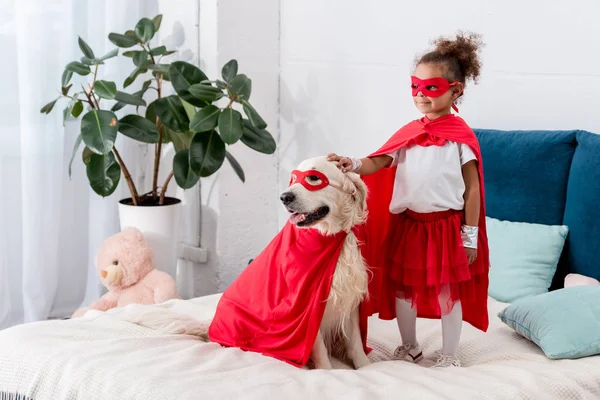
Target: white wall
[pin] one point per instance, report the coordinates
(345, 69)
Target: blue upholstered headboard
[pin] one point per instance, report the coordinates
(547, 177)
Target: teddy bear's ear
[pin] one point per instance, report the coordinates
(132, 233)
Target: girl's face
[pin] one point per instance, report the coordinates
(435, 107)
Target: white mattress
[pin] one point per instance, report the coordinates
(101, 357)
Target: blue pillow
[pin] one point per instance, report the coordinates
(523, 257)
(582, 212)
(526, 173)
(564, 323)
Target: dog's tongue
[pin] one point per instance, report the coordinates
(295, 218)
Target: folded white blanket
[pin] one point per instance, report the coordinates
(102, 357)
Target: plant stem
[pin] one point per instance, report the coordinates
(158, 147)
(231, 100)
(132, 189)
(94, 97)
(88, 97)
(92, 86)
(164, 189)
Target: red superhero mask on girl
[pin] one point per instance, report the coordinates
(432, 87)
(306, 179)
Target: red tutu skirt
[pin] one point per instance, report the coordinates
(428, 265)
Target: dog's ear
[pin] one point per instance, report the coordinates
(354, 185)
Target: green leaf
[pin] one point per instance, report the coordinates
(85, 49)
(146, 85)
(258, 139)
(159, 67)
(190, 110)
(129, 99)
(132, 35)
(77, 109)
(67, 110)
(180, 140)
(117, 106)
(104, 173)
(184, 176)
(207, 153)
(75, 149)
(171, 113)
(183, 75)
(133, 76)
(221, 85)
(65, 90)
(205, 92)
(241, 86)
(236, 166)
(151, 113)
(78, 68)
(48, 107)
(206, 119)
(66, 77)
(157, 21)
(110, 54)
(145, 30)
(138, 128)
(253, 116)
(131, 53)
(229, 70)
(159, 51)
(230, 126)
(105, 89)
(99, 130)
(90, 61)
(168, 53)
(86, 155)
(124, 41)
(141, 58)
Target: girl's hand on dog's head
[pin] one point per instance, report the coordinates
(343, 163)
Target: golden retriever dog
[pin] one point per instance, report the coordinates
(338, 206)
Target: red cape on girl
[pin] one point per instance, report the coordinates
(373, 233)
(276, 305)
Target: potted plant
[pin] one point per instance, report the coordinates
(200, 119)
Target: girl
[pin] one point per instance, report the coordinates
(425, 239)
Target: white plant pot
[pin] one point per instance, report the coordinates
(160, 226)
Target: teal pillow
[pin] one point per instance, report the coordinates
(523, 257)
(564, 323)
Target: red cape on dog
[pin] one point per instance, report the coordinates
(276, 305)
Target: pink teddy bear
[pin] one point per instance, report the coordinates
(125, 267)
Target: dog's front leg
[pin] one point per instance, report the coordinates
(354, 346)
(319, 354)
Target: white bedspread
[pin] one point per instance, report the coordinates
(101, 357)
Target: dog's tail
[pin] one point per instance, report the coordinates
(164, 321)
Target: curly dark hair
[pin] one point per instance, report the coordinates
(458, 56)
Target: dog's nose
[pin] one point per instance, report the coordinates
(287, 197)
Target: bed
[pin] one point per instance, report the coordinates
(102, 357)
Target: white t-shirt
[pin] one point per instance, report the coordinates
(429, 179)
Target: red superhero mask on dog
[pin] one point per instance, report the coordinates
(309, 180)
(305, 178)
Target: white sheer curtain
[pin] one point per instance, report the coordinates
(50, 225)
